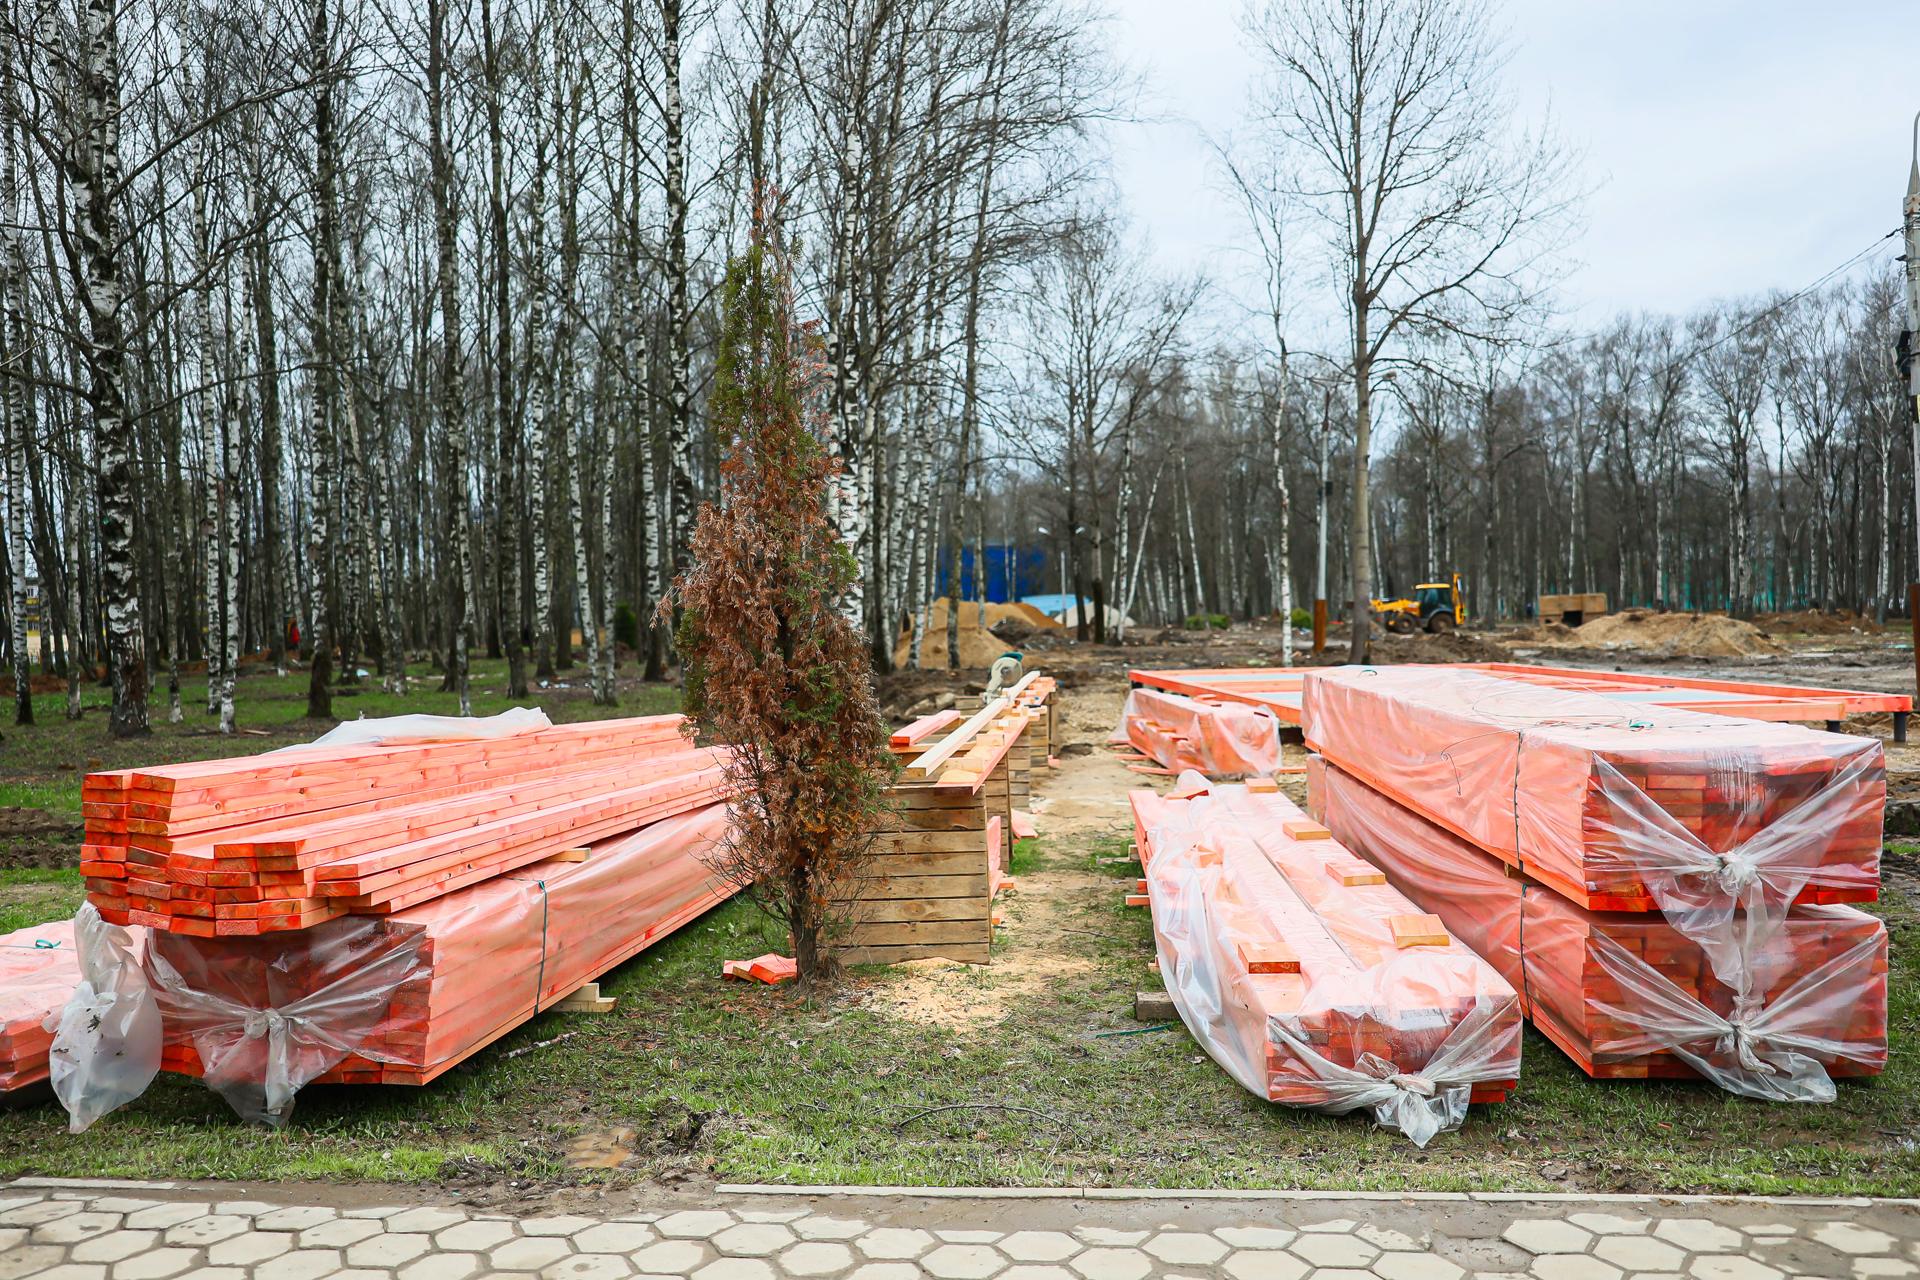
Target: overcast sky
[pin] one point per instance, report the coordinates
(1733, 146)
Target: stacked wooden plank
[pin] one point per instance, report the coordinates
(1219, 739)
(1040, 694)
(1301, 970)
(38, 971)
(1618, 808)
(939, 855)
(1612, 989)
(237, 848)
(409, 995)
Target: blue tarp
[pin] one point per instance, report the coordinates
(1011, 572)
(1056, 604)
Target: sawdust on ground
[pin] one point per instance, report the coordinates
(1085, 797)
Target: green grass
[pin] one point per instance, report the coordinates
(1058, 1087)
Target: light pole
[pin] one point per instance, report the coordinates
(1909, 340)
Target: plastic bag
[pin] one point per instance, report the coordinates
(106, 1040)
(420, 727)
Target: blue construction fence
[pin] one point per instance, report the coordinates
(1011, 573)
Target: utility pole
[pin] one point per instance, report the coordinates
(1320, 573)
(1908, 341)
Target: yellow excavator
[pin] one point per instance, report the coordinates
(1437, 607)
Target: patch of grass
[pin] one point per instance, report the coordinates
(35, 895)
(740, 1082)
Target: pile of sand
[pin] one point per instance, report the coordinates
(1812, 622)
(978, 645)
(1676, 635)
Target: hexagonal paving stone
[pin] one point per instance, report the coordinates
(379, 1211)
(1332, 1226)
(1263, 1264)
(1342, 1273)
(736, 1269)
(388, 1249)
(1388, 1238)
(337, 1234)
(1036, 1271)
(15, 1263)
(1334, 1251)
(1610, 1224)
(962, 1262)
(1110, 1235)
(589, 1266)
(156, 1264)
(613, 1237)
(669, 1256)
(1186, 1248)
(529, 1253)
(301, 1264)
(35, 1212)
(816, 1258)
(168, 1215)
(563, 1224)
(1547, 1235)
(1697, 1235)
(425, 1218)
(113, 1246)
(1883, 1268)
(1573, 1266)
(1732, 1267)
(351, 1273)
(894, 1242)
(11, 1236)
(78, 1271)
(693, 1224)
(767, 1215)
(753, 1239)
(1395, 1265)
(967, 1235)
(479, 1234)
(84, 1225)
(250, 1248)
(442, 1266)
(890, 1271)
(1110, 1263)
(821, 1227)
(1040, 1246)
(1255, 1237)
(1639, 1253)
(1849, 1238)
(122, 1204)
(294, 1218)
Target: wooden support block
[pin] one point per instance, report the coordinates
(1353, 875)
(1262, 785)
(571, 855)
(1268, 957)
(587, 999)
(1419, 930)
(1304, 829)
(1139, 900)
(1154, 1006)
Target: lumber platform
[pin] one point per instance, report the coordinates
(39, 969)
(1305, 974)
(1280, 691)
(1616, 809)
(1631, 996)
(1218, 738)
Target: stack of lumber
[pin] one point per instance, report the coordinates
(404, 997)
(939, 853)
(1219, 739)
(1631, 995)
(38, 971)
(1617, 808)
(265, 844)
(1040, 694)
(1306, 975)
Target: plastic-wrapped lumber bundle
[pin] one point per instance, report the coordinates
(1618, 807)
(1771, 1007)
(39, 969)
(290, 839)
(1221, 740)
(402, 998)
(1306, 976)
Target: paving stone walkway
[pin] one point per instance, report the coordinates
(51, 1231)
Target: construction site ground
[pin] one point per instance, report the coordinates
(1030, 1071)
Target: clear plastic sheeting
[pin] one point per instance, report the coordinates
(1769, 1004)
(419, 727)
(1621, 809)
(106, 1036)
(39, 969)
(397, 999)
(1221, 740)
(1291, 962)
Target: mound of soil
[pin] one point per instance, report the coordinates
(1452, 646)
(1812, 622)
(1676, 635)
(979, 646)
(1552, 634)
